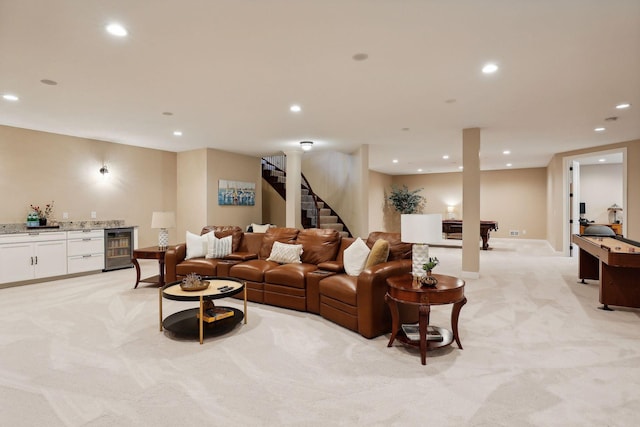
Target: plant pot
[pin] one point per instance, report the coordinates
(43, 222)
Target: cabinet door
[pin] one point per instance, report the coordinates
(51, 258)
(16, 262)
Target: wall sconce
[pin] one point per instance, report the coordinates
(104, 170)
(306, 145)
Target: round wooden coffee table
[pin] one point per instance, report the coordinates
(196, 321)
(403, 289)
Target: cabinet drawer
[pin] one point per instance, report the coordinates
(82, 234)
(80, 264)
(35, 236)
(86, 246)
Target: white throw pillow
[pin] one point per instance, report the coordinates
(355, 256)
(197, 245)
(218, 248)
(285, 254)
(260, 228)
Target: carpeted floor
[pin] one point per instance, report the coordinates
(537, 352)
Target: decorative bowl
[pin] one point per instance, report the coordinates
(193, 283)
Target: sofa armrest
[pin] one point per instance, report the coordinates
(374, 318)
(241, 256)
(333, 266)
(174, 256)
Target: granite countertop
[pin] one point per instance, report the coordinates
(63, 226)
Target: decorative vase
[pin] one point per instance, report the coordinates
(429, 279)
(43, 222)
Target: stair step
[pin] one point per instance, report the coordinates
(334, 226)
(325, 211)
(328, 219)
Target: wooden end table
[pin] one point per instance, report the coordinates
(403, 289)
(152, 252)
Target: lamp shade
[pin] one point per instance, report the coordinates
(163, 220)
(417, 228)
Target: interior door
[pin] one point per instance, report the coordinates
(574, 202)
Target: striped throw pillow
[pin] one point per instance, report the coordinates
(218, 248)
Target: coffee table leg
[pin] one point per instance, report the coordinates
(160, 303)
(455, 314)
(245, 303)
(393, 307)
(423, 322)
(137, 266)
(201, 317)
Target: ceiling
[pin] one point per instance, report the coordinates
(228, 71)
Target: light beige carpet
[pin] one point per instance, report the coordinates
(537, 352)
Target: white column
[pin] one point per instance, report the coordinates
(293, 193)
(471, 203)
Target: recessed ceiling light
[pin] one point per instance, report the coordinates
(602, 160)
(395, 160)
(419, 169)
(405, 129)
(10, 97)
(446, 156)
(49, 82)
(360, 56)
(509, 165)
(116, 30)
(460, 167)
(177, 132)
(505, 152)
(623, 106)
(295, 108)
(450, 101)
(600, 129)
(489, 68)
(167, 113)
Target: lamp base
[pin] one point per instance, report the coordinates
(419, 257)
(163, 239)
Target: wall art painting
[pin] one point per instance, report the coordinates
(236, 193)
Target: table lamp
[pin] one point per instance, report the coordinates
(163, 220)
(420, 230)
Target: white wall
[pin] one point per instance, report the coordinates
(600, 187)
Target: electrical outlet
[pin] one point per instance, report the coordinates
(65, 215)
(513, 233)
(93, 215)
(524, 231)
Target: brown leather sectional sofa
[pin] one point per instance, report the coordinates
(317, 285)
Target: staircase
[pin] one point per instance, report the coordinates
(315, 212)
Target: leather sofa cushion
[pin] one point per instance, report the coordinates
(319, 245)
(292, 275)
(276, 234)
(201, 266)
(340, 287)
(221, 231)
(397, 248)
(252, 270)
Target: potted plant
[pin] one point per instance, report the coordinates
(429, 279)
(43, 214)
(405, 201)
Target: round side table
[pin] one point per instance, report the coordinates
(404, 290)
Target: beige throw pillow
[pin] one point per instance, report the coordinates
(285, 253)
(218, 248)
(379, 253)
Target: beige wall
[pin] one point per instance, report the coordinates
(38, 167)
(379, 207)
(233, 167)
(555, 171)
(198, 174)
(516, 198)
(273, 206)
(335, 177)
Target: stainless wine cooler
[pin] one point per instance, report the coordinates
(118, 248)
